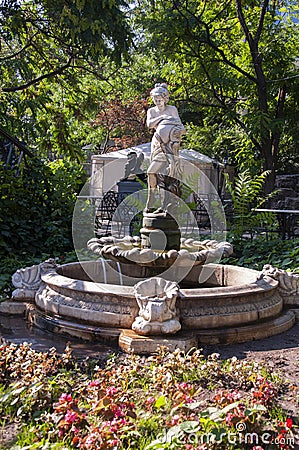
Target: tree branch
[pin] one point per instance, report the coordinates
(15, 141)
(224, 106)
(276, 135)
(210, 42)
(255, 55)
(242, 21)
(251, 137)
(14, 55)
(261, 21)
(40, 78)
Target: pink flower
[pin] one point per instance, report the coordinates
(150, 400)
(65, 398)
(122, 421)
(118, 412)
(111, 391)
(175, 420)
(188, 399)
(94, 383)
(71, 416)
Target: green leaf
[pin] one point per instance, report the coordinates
(160, 402)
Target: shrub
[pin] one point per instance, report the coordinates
(36, 207)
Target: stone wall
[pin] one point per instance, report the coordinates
(288, 195)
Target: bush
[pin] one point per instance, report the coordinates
(259, 251)
(36, 207)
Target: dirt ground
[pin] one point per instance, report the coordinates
(280, 352)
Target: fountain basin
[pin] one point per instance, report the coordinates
(217, 303)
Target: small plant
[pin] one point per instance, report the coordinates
(246, 195)
(259, 251)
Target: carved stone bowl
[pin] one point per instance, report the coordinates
(216, 303)
(128, 250)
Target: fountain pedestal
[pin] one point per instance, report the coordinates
(160, 232)
(131, 342)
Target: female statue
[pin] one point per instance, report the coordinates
(164, 170)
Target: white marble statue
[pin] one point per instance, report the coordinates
(164, 170)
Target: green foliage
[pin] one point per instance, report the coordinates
(222, 140)
(246, 195)
(259, 251)
(46, 48)
(36, 207)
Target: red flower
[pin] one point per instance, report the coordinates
(289, 423)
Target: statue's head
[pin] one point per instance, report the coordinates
(160, 90)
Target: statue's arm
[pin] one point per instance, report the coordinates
(173, 112)
(152, 120)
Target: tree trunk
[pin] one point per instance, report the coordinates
(268, 142)
(269, 164)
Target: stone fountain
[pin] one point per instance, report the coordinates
(159, 289)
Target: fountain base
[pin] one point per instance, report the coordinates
(130, 342)
(216, 304)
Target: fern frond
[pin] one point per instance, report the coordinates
(245, 192)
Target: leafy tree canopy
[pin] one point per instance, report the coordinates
(54, 42)
(233, 62)
(40, 39)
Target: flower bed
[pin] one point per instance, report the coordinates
(166, 401)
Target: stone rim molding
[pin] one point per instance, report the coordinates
(204, 307)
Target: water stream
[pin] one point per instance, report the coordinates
(104, 265)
